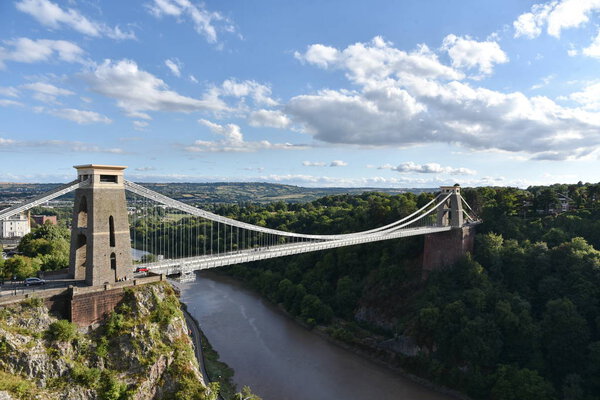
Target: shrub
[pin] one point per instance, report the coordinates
(62, 330)
(32, 302)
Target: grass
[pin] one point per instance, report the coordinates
(17, 386)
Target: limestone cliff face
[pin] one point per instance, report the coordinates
(141, 351)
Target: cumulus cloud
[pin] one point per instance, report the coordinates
(206, 22)
(396, 104)
(593, 50)
(138, 92)
(53, 16)
(233, 141)
(30, 51)
(259, 93)
(468, 53)
(429, 168)
(377, 61)
(174, 66)
(588, 97)
(556, 16)
(269, 118)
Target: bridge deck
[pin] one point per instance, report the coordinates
(184, 265)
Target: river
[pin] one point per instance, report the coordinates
(281, 360)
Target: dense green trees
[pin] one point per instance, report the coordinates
(46, 248)
(520, 319)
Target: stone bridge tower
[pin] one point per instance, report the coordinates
(100, 241)
(443, 249)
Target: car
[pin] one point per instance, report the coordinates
(34, 281)
(141, 269)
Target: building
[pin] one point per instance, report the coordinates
(15, 226)
(41, 219)
(564, 202)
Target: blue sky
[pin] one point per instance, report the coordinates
(312, 93)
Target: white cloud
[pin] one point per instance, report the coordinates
(429, 168)
(377, 61)
(530, 24)
(589, 97)
(269, 118)
(174, 65)
(556, 15)
(46, 92)
(401, 106)
(29, 51)
(9, 91)
(544, 82)
(140, 125)
(58, 145)
(53, 16)
(6, 103)
(261, 94)
(81, 117)
(593, 50)
(206, 23)
(468, 53)
(233, 141)
(193, 79)
(314, 163)
(138, 91)
(338, 163)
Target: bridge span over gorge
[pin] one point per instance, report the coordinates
(112, 215)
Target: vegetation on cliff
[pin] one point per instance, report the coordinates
(141, 351)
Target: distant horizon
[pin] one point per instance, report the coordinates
(303, 186)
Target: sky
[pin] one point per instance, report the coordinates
(310, 93)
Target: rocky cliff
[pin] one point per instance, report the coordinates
(140, 351)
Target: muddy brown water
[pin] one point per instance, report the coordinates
(281, 360)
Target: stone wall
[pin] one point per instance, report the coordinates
(445, 248)
(82, 305)
(90, 308)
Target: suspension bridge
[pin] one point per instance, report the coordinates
(112, 215)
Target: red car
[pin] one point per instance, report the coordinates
(141, 269)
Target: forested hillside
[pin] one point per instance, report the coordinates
(517, 320)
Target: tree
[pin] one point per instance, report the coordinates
(565, 336)
(513, 383)
(313, 308)
(22, 267)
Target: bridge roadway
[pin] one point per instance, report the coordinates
(186, 265)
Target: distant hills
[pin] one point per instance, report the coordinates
(218, 192)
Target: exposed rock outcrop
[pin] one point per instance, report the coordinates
(141, 351)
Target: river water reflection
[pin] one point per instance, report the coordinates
(281, 360)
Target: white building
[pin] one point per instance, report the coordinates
(15, 226)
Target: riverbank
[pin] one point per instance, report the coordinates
(365, 347)
(208, 359)
(281, 359)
